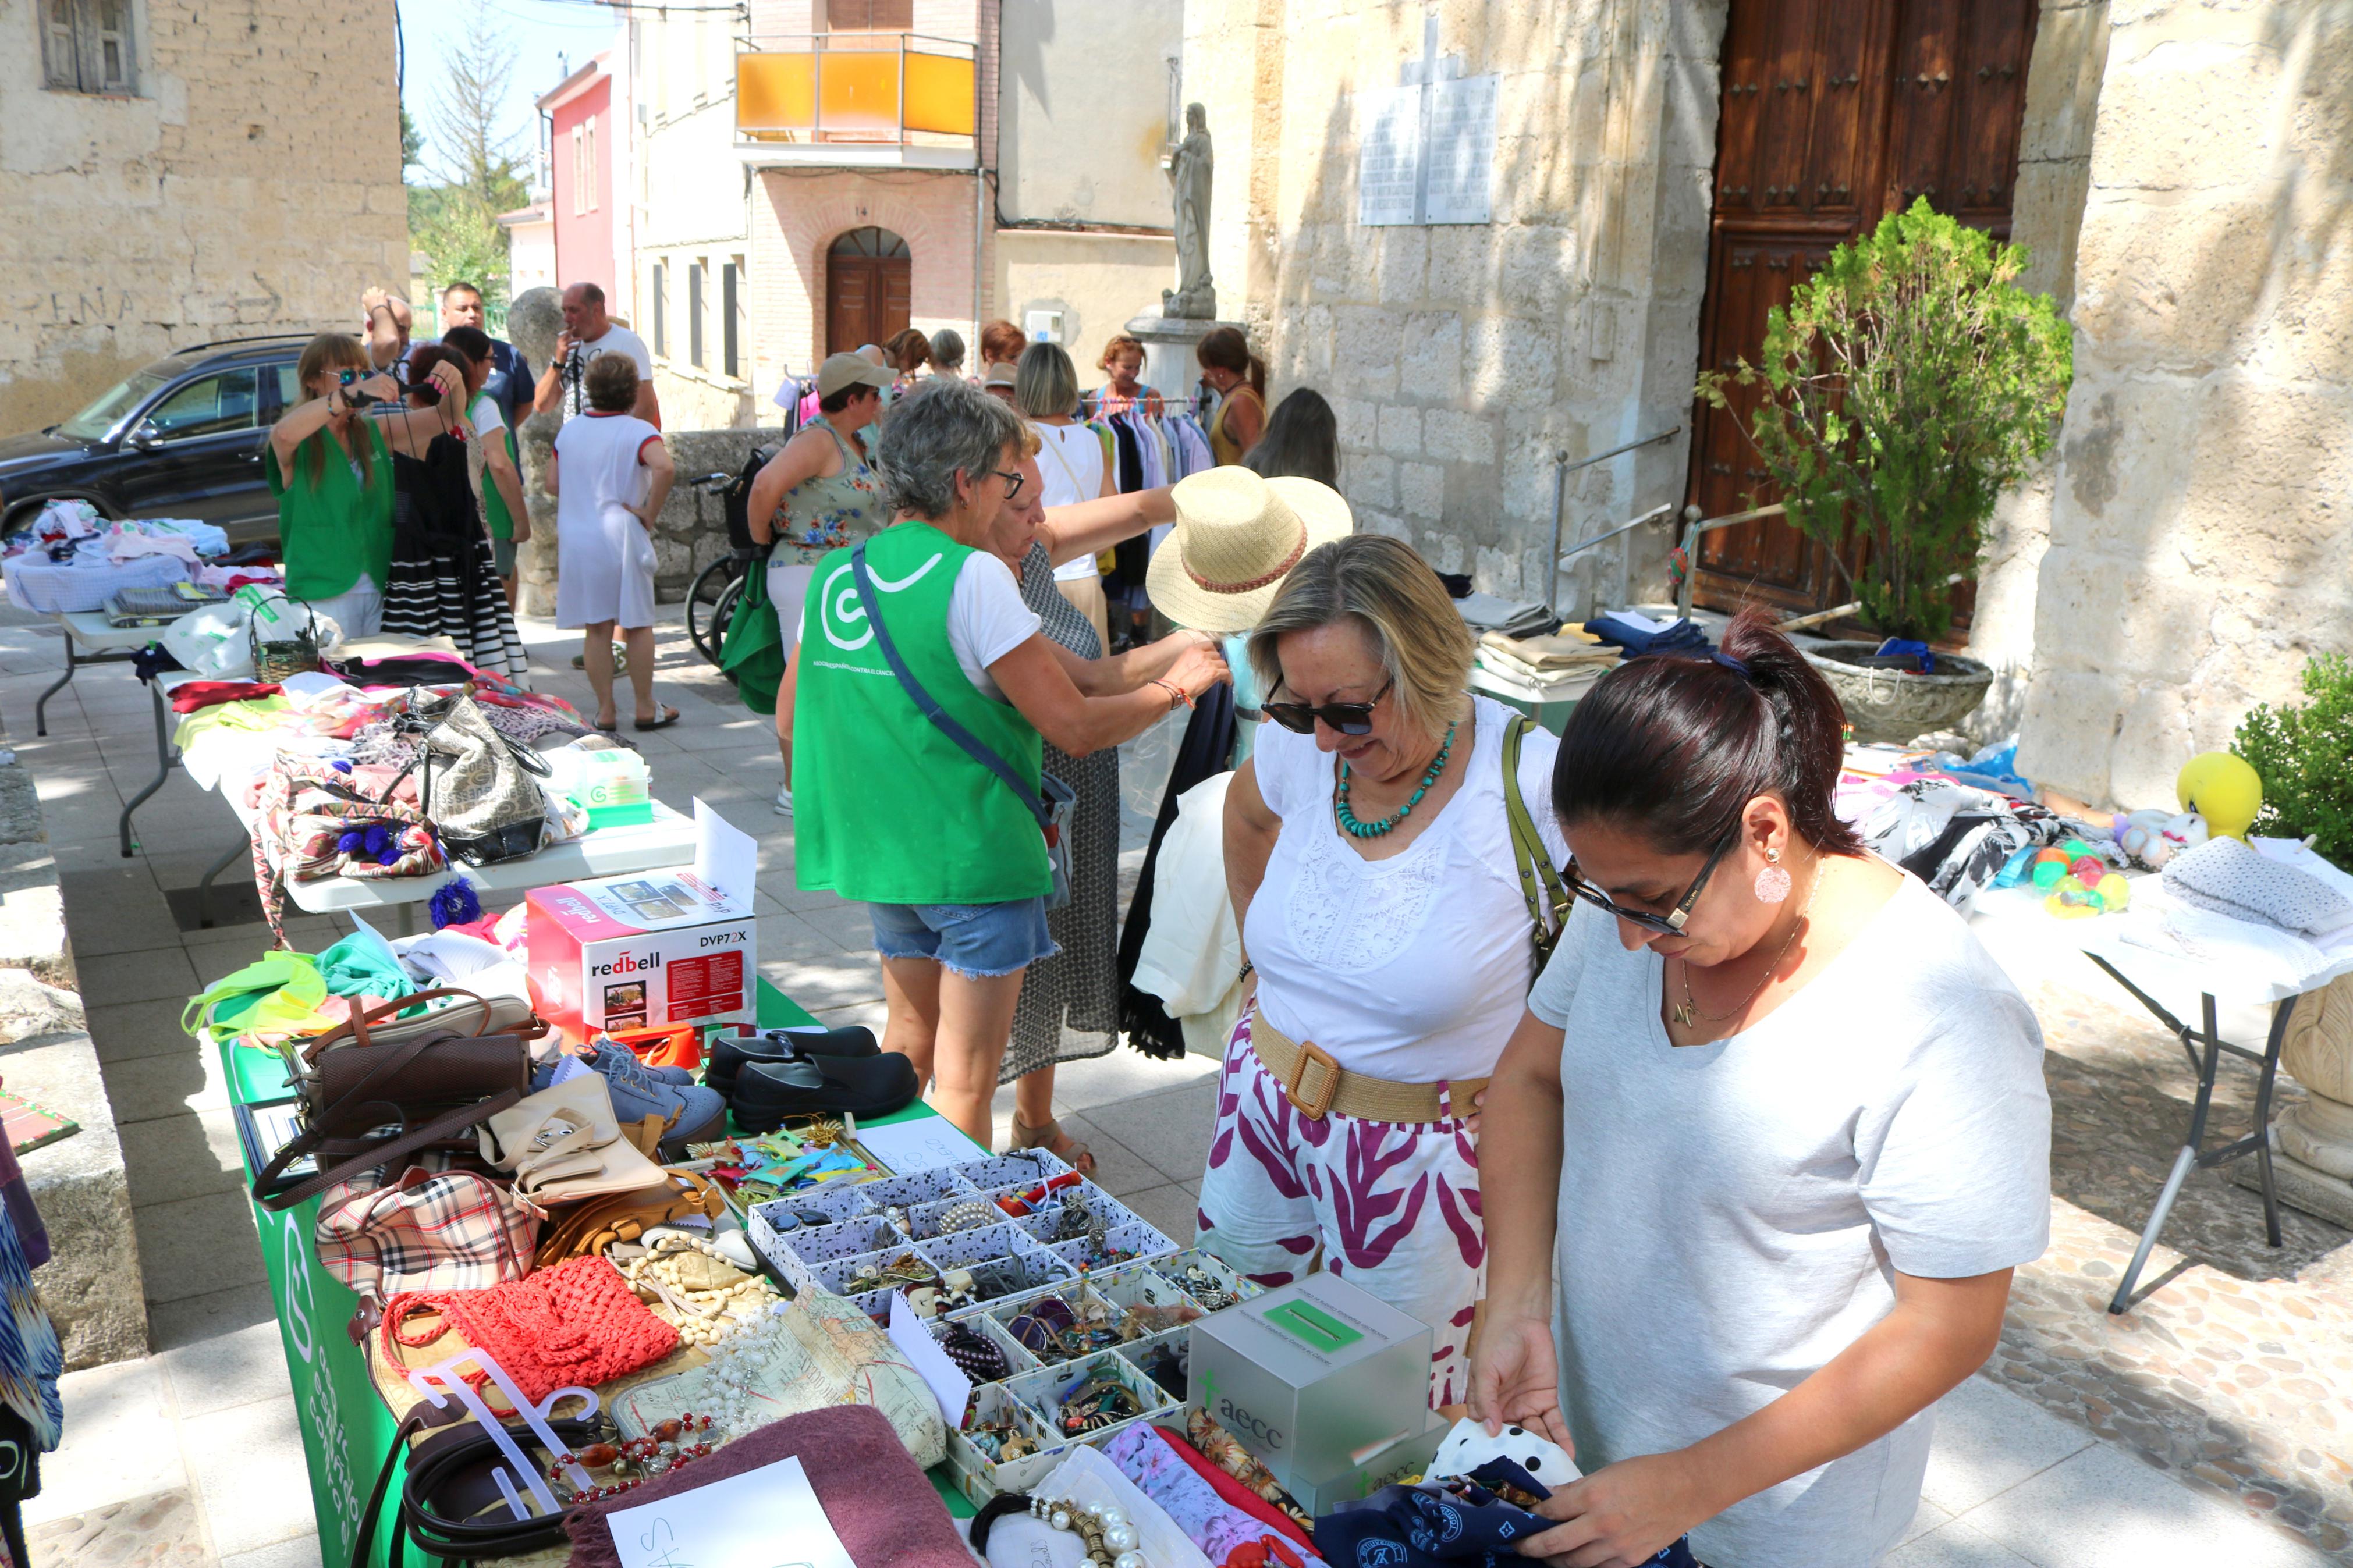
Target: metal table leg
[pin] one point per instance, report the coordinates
(41, 707)
(205, 883)
(165, 761)
(2194, 1155)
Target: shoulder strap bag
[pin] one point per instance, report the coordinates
(1540, 884)
(1051, 803)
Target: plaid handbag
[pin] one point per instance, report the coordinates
(430, 1230)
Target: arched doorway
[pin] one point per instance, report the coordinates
(868, 286)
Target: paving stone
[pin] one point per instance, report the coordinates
(244, 1458)
(117, 1445)
(159, 1530)
(197, 1246)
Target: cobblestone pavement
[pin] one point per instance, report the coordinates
(2234, 1370)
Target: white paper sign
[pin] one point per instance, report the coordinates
(1459, 152)
(925, 1143)
(950, 1387)
(767, 1517)
(1388, 154)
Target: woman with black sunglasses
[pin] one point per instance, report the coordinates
(1369, 856)
(1773, 1119)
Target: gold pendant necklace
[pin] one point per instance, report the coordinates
(1686, 1011)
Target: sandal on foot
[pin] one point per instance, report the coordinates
(1055, 1142)
(668, 716)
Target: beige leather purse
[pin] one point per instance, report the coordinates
(564, 1143)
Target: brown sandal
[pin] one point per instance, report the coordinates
(1055, 1142)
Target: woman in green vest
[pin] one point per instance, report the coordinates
(893, 813)
(330, 466)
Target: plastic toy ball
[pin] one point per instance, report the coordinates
(2222, 789)
(2088, 870)
(2073, 901)
(2115, 892)
(2047, 874)
(2051, 858)
(2074, 849)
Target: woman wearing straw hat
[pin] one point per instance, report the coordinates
(1370, 856)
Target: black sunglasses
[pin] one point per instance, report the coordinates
(1348, 718)
(1672, 923)
(1012, 481)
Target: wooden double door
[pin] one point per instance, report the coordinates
(1834, 113)
(868, 289)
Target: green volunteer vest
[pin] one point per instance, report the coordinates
(886, 809)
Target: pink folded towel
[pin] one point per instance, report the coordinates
(879, 1503)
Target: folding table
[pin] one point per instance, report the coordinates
(113, 645)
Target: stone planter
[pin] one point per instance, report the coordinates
(1893, 706)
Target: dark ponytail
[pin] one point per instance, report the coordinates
(1225, 348)
(1672, 747)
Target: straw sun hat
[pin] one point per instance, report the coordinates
(1237, 537)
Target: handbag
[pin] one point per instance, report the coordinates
(427, 1230)
(280, 645)
(587, 1228)
(429, 1083)
(576, 1324)
(1050, 802)
(564, 1144)
(1540, 884)
(480, 790)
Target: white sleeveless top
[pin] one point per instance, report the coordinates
(1071, 461)
(1415, 968)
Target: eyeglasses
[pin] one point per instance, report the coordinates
(1348, 718)
(1013, 481)
(1672, 923)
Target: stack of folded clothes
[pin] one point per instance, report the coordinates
(1545, 668)
(1639, 634)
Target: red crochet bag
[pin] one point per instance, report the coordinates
(576, 1325)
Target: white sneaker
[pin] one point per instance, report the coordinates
(785, 801)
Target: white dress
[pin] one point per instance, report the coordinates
(1071, 464)
(604, 555)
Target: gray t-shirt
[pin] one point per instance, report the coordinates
(1733, 1214)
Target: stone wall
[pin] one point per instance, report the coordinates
(2200, 547)
(1464, 360)
(250, 184)
(1096, 280)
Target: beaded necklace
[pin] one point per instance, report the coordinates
(1356, 829)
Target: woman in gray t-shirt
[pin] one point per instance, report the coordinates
(1775, 1119)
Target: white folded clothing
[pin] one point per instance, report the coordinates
(2293, 852)
(2228, 878)
(2253, 949)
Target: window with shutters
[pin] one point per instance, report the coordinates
(579, 175)
(589, 186)
(694, 313)
(662, 322)
(870, 16)
(730, 281)
(86, 45)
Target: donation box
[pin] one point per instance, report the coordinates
(1314, 1378)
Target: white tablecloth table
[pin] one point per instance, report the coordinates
(2173, 988)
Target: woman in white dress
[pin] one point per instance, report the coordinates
(1071, 458)
(615, 474)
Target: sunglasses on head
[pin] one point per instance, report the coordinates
(1348, 718)
(1668, 925)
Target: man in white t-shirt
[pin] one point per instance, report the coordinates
(588, 332)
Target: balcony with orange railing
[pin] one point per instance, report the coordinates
(871, 100)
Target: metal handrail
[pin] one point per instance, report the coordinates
(1652, 515)
(1563, 467)
(1694, 526)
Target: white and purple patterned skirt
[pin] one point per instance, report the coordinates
(1391, 1207)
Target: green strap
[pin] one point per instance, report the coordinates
(1547, 894)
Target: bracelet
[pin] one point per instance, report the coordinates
(1177, 696)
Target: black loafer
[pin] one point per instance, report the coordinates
(766, 1093)
(729, 1053)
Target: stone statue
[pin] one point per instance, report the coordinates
(1195, 298)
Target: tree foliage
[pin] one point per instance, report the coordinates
(1907, 384)
(2305, 757)
(478, 168)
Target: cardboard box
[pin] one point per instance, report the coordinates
(1316, 1378)
(649, 949)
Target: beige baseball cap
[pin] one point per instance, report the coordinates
(848, 369)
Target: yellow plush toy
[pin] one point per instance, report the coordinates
(2223, 789)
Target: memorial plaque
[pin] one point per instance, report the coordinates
(1460, 150)
(1388, 156)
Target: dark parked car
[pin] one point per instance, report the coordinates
(183, 437)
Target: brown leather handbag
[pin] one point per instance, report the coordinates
(376, 1090)
(593, 1225)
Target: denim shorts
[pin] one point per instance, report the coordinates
(502, 557)
(978, 941)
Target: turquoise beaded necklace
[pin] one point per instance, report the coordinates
(1356, 829)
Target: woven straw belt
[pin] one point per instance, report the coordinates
(1316, 1085)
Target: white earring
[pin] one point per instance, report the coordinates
(1773, 882)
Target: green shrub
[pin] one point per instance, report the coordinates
(1907, 384)
(2305, 757)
